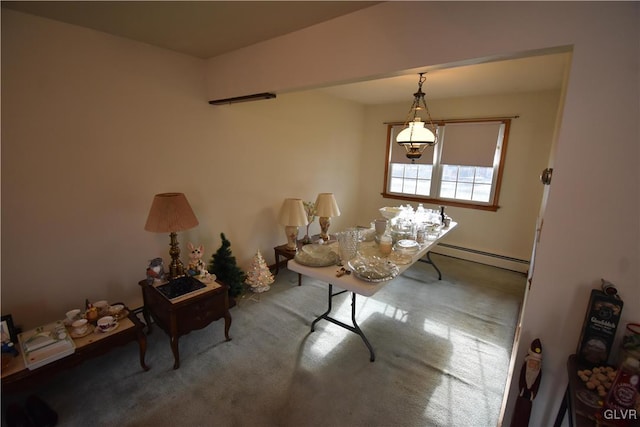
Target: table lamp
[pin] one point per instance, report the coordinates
(326, 208)
(292, 215)
(170, 213)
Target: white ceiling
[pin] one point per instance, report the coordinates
(526, 74)
(200, 28)
(209, 28)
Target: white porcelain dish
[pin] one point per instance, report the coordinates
(87, 331)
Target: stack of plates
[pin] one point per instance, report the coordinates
(407, 246)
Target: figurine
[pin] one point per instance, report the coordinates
(155, 271)
(530, 376)
(196, 267)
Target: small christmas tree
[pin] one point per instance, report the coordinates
(223, 265)
(259, 276)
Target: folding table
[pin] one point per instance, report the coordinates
(350, 283)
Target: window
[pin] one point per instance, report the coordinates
(463, 169)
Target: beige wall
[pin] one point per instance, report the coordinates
(93, 126)
(510, 230)
(592, 222)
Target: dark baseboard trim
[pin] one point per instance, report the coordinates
(489, 254)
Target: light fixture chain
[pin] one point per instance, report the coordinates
(415, 137)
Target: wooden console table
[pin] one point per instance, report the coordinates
(16, 377)
(181, 315)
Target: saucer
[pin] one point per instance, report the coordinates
(123, 314)
(100, 331)
(408, 244)
(84, 334)
(67, 322)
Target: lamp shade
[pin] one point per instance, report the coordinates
(416, 133)
(326, 205)
(170, 213)
(292, 213)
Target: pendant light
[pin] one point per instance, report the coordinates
(415, 137)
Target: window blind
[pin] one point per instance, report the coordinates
(470, 144)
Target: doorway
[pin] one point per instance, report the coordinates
(510, 235)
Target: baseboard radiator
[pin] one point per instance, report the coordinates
(496, 260)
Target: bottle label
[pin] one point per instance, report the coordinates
(625, 395)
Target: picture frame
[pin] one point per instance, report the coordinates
(7, 329)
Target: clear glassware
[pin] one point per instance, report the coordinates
(386, 245)
(348, 241)
(381, 227)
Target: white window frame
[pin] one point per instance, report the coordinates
(436, 176)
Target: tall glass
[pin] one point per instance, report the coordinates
(381, 227)
(348, 244)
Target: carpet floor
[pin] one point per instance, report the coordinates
(442, 355)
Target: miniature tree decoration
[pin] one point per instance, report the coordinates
(259, 276)
(310, 208)
(223, 265)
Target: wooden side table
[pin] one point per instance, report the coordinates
(284, 251)
(181, 315)
(582, 406)
(17, 378)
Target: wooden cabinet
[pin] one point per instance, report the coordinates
(181, 315)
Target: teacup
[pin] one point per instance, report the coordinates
(116, 309)
(101, 305)
(72, 314)
(105, 323)
(79, 326)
